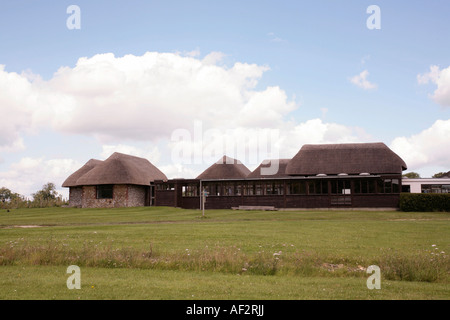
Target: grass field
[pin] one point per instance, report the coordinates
(176, 254)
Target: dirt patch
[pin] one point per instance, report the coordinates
(21, 226)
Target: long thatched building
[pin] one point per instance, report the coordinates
(358, 175)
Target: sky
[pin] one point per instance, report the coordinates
(182, 83)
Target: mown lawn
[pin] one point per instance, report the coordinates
(169, 253)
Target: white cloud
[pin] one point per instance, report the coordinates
(431, 147)
(137, 97)
(146, 97)
(29, 174)
(213, 58)
(150, 153)
(17, 97)
(441, 78)
(361, 81)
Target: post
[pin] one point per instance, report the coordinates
(201, 195)
(203, 204)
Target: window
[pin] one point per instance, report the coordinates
(340, 187)
(238, 189)
(259, 189)
(213, 189)
(278, 188)
(249, 189)
(229, 189)
(395, 186)
(273, 187)
(165, 186)
(190, 190)
(296, 187)
(365, 186)
(388, 186)
(105, 192)
(436, 188)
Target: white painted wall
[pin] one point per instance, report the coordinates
(416, 184)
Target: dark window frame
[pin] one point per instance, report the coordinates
(105, 191)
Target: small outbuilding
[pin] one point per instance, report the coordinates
(119, 181)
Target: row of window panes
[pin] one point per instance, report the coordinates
(338, 186)
(436, 188)
(248, 189)
(165, 186)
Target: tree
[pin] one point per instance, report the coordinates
(7, 195)
(441, 175)
(411, 175)
(47, 193)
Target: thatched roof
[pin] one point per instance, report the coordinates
(270, 169)
(71, 181)
(225, 168)
(350, 158)
(120, 168)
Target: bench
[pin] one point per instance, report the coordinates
(263, 208)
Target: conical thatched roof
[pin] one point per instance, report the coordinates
(350, 158)
(225, 168)
(120, 168)
(270, 169)
(71, 181)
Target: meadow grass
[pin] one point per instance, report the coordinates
(293, 248)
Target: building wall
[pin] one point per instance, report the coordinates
(75, 196)
(381, 192)
(165, 198)
(296, 201)
(123, 196)
(416, 184)
(136, 196)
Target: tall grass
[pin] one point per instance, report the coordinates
(427, 266)
(21, 203)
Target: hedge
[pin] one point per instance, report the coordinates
(424, 202)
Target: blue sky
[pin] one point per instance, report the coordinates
(309, 50)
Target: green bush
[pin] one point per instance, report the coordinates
(425, 202)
